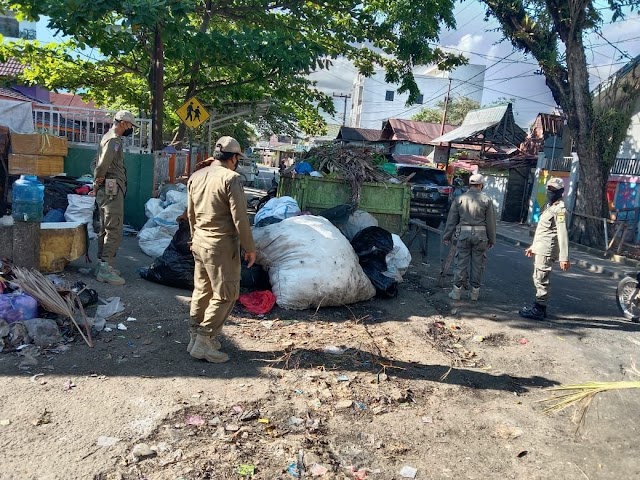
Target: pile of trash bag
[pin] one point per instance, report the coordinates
(162, 224)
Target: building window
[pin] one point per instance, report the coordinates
(389, 95)
(420, 99)
(9, 27)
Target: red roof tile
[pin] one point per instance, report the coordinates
(10, 94)
(70, 100)
(11, 68)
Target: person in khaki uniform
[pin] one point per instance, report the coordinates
(217, 211)
(473, 218)
(110, 187)
(550, 243)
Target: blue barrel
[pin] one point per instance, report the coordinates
(28, 199)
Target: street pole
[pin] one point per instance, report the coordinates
(446, 106)
(344, 111)
(157, 92)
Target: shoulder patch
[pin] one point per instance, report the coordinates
(116, 146)
(560, 218)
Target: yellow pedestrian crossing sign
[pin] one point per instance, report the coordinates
(192, 113)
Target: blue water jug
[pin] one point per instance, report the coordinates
(28, 199)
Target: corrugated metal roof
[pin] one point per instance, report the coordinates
(11, 68)
(359, 134)
(412, 160)
(490, 125)
(421, 133)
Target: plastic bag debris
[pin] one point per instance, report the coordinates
(113, 306)
(15, 307)
(372, 245)
(408, 472)
(259, 302)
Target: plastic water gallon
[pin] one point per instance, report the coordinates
(28, 199)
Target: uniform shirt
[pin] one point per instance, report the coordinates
(217, 210)
(472, 208)
(551, 238)
(110, 160)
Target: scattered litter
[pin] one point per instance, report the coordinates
(333, 350)
(292, 470)
(508, 432)
(318, 470)
(68, 385)
(522, 453)
(360, 405)
(122, 326)
(360, 474)
(112, 306)
(196, 420)
(342, 378)
(295, 421)
(104, 441)
(263, 420)
(142, 451)
(85, 271)
(232, 428)
(427, 419)
(34, 377)
(268, 324)
(108, 329)
(237, 409)
(250, 415)
(246, 469)
(259, 302)
(408, 472)
(43, 419)
(215, 421)
(523, 341)
(478, 338)
(5, 422)
(131, 319)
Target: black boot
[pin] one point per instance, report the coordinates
(536, 312)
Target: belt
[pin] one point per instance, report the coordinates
(472, 227)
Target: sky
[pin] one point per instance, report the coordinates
(509, 74)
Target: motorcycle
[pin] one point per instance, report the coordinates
(628, 297)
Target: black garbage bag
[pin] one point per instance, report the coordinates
(88, 296)
(337, 215)
(175, 267)
(372, 245)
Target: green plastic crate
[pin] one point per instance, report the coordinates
(387, 202)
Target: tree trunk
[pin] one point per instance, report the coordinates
(157, 90)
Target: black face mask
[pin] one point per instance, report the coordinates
(128, 132)
(554, 195)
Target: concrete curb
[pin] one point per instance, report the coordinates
(581, 263)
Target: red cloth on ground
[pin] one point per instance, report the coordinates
(258, 303)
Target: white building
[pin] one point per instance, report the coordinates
(374, 101)
(12, 29)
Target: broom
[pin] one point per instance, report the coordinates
(39, 287)
(582, 394)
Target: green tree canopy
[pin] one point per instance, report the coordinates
(244, 51)
(457, 109)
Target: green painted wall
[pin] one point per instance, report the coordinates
(139, 179)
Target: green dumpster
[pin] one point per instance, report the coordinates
(387, 202)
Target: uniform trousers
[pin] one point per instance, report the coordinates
(111, 221)
(542, 267)
(471, 255)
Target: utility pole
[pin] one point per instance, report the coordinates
(344, 111)
(157, 89)
(446, 106)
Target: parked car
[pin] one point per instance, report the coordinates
(431, 193)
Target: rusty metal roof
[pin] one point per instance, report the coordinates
(421, 133)
(494, 125)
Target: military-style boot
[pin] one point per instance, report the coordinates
(536, 312)
(204, 349)
(455, 293)
(105, 274)
(114, 270)
(216, 344)
(475, 293)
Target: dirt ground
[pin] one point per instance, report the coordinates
(452, 391)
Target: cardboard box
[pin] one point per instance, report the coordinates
(39, 144)
(40, 165)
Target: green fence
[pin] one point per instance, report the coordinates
(139, 179)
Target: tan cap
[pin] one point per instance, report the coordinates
(476, 179)
(126, 116)
(555, 183)
(229, 145)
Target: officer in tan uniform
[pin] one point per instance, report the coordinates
(550, 243)
(473, 218)
(110, 187)
(217, 211)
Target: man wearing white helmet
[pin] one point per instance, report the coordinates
(550, 243)
(473, 218)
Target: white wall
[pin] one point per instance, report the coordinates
(496, 188)
(369, 109)
(630, 148)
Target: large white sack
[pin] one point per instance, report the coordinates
(311, 264)
(80, 210)
(398, 260)
(280, 207)
(154, 240)
(168, 216)
(153, 207)
(176, 197)
(358, 220)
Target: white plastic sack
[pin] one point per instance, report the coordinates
(176, 197)
(153, 207)
(281, 208)
(358, 220)
(311, 264)
(80, 210)
(398, 260)
(154, 241)
(167, 217)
